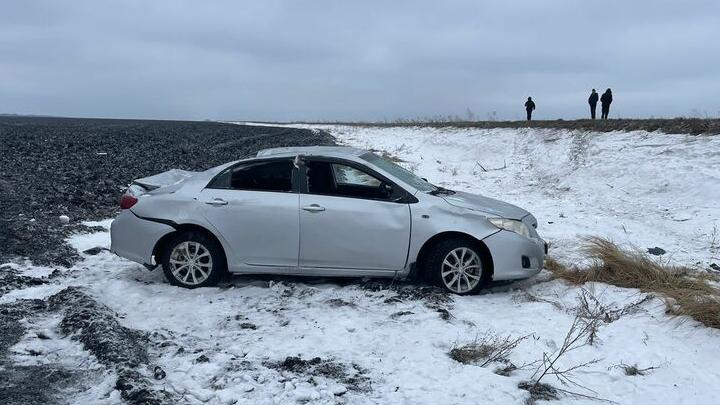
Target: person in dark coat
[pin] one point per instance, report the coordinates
(529, 107)
(592, 100)
(605, 101)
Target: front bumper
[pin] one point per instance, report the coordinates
(135, 238)
(515, 256)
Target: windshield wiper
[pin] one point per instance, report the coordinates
(441, 190)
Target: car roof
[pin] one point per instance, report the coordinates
(346, 152)
(339, 151)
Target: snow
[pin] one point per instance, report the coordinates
(645, 189)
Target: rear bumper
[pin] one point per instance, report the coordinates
(135, 238)
(515, 256)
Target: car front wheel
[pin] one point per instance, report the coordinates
(193, 260)
(456, 265)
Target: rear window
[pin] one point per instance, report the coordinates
(258, 176)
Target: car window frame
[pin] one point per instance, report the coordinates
(401, 195)
(294, 176)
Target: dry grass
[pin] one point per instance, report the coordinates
(471, 353)
(539, 392)
(686, 292)
(553, 265)
(635, 370)
(489, 349)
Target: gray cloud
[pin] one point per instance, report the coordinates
(342, 60)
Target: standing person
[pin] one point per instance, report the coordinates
(529, 107)
(592, 100)
(605, 101)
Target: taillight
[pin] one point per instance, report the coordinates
(127, 201)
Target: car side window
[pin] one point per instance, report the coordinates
(337, 179)
(350, 176)
(258, 176)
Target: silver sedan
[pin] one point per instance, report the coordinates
(322, 211)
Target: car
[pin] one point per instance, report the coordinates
(322, 211)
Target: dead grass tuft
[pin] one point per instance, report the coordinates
(489, 349)
(553, 265)
(538, 392)
(686, 292)
(471, 353)
(634, 370)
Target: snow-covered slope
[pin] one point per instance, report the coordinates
(377, 342)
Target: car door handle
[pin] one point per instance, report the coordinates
(216, 202)
(313, 208)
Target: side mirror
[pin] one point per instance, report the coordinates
(424, 178)
(387, 189)
(389, 192)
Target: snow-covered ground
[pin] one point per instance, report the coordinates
(388, 343)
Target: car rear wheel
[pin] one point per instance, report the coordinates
(192, 260)
(456, 265)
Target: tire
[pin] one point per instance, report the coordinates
(192, 260)
(443, 259)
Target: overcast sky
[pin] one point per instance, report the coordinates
(357, 60)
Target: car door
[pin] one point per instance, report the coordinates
(351, 219)
(254, 206)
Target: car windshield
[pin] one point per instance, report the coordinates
(399, 172)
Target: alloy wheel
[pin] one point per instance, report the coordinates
(461, 270)
(191, 263)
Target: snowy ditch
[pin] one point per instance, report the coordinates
(124, 334)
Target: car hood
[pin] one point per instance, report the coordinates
(485, 204)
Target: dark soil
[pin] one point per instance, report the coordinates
(693, 126)
(400, 314)
(352, 375)
(19, 384)
(11, 280)
(31, 385)
(339, 302)
(97, 328)
(433, 297)
(79, 168)
(11, 315)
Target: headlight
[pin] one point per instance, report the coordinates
(511, 225)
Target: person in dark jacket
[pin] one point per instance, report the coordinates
(592, 100)
(529, 107)
(605, 101)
